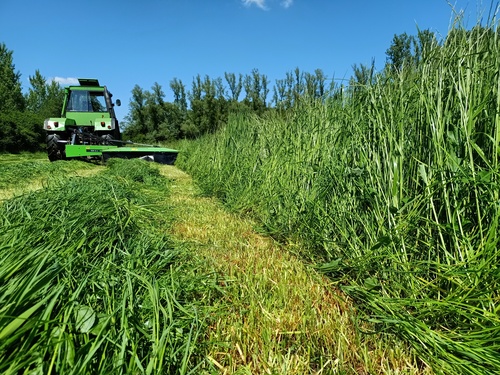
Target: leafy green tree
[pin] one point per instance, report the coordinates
(299, 87)
(154, 109)
(363, 74)
(135, 121)
(37, 93)
(208, 107)
(283, 92)
(11, 97)
(314, 84)
(256, 91)
(426, 43)
(172, 120)
(43, 98)
(235, 85)
(400, 52)
(20, 131)
(179, 91)
(320, 83)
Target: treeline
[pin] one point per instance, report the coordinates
(22, 115)
(206, 106)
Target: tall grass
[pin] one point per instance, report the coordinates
(393, 189)
(89, 282)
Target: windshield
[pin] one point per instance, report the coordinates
(86, 101)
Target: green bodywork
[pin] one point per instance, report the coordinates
(87, 106)
(88, 128)
(77, 151)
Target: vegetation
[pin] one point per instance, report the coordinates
(90, 283)
(111, 273)
(151, 119)
(24, 172)
(275, 314)
(21, 116)
(393, 187)
(389, 185)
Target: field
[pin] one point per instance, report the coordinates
(355, 233)
(128, 269)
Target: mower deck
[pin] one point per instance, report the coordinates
(160, 155)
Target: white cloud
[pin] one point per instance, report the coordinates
(260, 3)
(65, 81)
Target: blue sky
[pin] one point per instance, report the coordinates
(129, 42)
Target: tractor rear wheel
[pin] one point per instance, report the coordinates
(54, 150)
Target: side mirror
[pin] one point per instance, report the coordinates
(118, 102)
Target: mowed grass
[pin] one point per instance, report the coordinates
(130, 270)
(91, 283)
(276, 315)
(27, 172)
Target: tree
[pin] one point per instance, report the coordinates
(179, 91)
(235, 85)
(363, 75)
(362, 79)
(136, 119)
(11, 97)
(426, 42)
(256, 91)
(170, 127)
(320, 81)
(154, 109)
(400, 52)
(20, 131)
(283, 92)
(43, 98)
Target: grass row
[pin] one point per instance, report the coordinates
(274, 314)
(22, 173)
(393, 189)
(90, 283)
(111, 274)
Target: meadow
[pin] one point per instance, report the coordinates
(392, 190)
(127, 268)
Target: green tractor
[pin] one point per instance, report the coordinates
(87, 118)
(88, 128)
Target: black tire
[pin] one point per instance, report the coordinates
(55, 150)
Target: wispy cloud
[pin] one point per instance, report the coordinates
(259, 3)
(263, 4)
(65, 81)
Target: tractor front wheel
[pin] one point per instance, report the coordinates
(55, 150)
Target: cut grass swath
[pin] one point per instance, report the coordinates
(88, 284)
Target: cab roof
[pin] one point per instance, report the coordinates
(88, 82)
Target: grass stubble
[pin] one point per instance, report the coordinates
(276, 315)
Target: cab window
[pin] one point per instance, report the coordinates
(87, 101)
